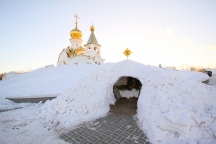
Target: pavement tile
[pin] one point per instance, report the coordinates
(112, 129)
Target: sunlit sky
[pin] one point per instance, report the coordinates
(171, 33)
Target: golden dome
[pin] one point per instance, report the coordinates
(92, 28)
(76, 33)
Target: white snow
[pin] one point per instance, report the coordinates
(212, 80)
(129, 93)
(213, 72)
(23, 126)
(7, 104)
(9, 75)
(173, 106)
(194, 75)
(46, 82)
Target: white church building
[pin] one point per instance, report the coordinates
(75, 53)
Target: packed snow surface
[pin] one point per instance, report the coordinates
(173, 106)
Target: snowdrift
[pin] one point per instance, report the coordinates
(45, 82)
(173, 106)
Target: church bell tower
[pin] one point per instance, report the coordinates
(76, 36)
(92, 43)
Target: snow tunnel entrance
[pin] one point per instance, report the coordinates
(126, 91)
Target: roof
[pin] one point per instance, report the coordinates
(92, 39)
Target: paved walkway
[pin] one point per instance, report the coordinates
(117, 127)
(112, 129)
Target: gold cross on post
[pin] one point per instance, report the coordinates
(76, 19)
(127, 53)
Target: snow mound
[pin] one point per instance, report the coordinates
(194, 75)
(173, 106)
(47, 81)
(212, 80)
(85, 101)
(7, 104)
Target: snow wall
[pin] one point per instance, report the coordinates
(173, 106)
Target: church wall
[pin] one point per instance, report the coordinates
(62, 58)
(75, 43)
(99, 48)
(91, 47)
(79, 59)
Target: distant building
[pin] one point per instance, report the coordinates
(90, 53)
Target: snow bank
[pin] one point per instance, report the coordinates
(47, 81)
(194, 75)
(178, 110)
(7, 104)
(23, 126)
(173, 106)
(85, 101)
(9, 75)
(212, 80)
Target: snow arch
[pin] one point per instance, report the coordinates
(127, 86)
(171, 104)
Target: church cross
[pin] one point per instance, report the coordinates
(76, 17)
(127, 53)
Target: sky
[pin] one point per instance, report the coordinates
(171, 33)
